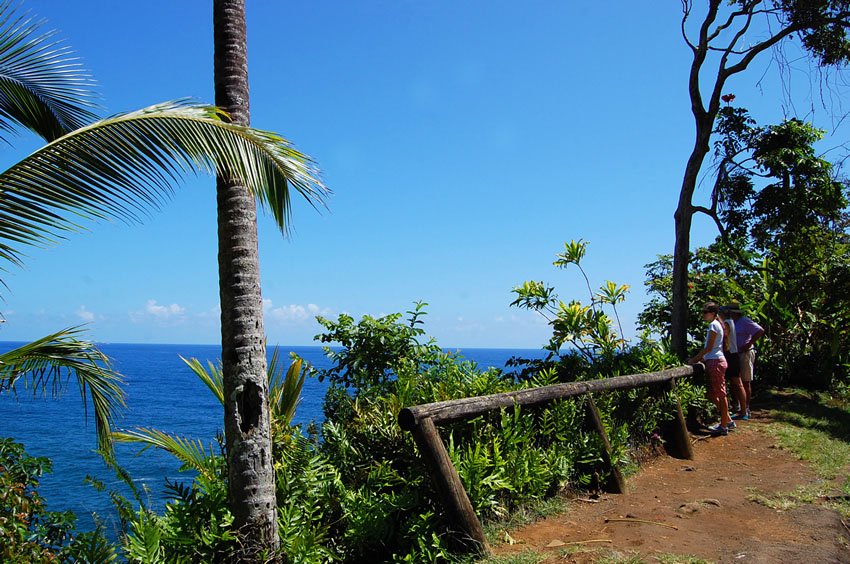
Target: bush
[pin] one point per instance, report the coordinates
(28, 531)
(388, 509)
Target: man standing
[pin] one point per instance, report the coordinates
(748, 332)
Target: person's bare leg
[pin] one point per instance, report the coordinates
(723, 405)
(748, 392)
(740, 393)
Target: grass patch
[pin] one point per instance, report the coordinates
(816, 428)
(789, 500)
(679, 559)
(526, 557)
(616, 557)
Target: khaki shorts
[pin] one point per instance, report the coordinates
(747, 362)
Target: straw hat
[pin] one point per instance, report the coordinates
(732, 307)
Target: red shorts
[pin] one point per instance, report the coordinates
(715, 369)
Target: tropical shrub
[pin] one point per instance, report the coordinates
(389, 510)
(28, 531)
(356, 489)
(783, 250)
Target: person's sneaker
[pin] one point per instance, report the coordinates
(742, 416)
(731, 426)
(718, 430)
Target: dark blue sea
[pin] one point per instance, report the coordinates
(161, 393)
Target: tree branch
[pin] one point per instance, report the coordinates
(719, 29)
(686, 12)
(757, 49)
(700, 53)
(724, 235)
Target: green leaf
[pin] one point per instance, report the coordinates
(124, 166)
(573, 253)
(42, 86)
(43, 363)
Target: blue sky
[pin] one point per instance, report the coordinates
(464, 143)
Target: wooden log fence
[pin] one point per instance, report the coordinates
(422, 421)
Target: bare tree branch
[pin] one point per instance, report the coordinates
(724, 236)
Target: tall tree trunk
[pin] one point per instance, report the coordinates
(683, 218)
(251, 489)
(681, 255)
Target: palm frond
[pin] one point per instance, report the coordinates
(190, 452)
(273, 371)
(285, 393)
(42, 86)
(124, 166)
(48, 362)
(213, 378)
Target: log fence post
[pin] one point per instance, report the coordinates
(615, 482)
(449, 487)
(677, 440)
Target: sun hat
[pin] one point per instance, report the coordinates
(710, 307)
(732, 307)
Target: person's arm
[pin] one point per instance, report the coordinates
(752, 340)
(712, 336)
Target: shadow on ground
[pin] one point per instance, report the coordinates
(801, 409)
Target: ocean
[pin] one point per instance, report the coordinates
(161, 393)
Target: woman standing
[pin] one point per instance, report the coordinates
(730, 351)
(715, 367)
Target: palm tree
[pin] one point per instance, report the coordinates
(247, 422)
(120, 167)
(284, 396)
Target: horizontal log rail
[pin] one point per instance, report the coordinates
(421, 421)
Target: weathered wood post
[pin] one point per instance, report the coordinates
(458, 507)
(677, 441)
(615, 482)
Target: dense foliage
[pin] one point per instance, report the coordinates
(725, 38)
(28, 531)
(388, 509)
(355, 489)
(783, 252)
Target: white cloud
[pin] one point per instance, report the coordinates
(163, 311)
(153, 310)
(294, 312)
(85, 314)
(291, 312)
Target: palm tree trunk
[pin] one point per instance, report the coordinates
(251, 489)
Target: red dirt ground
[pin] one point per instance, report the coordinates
(706, 501)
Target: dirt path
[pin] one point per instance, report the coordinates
(699, 508)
